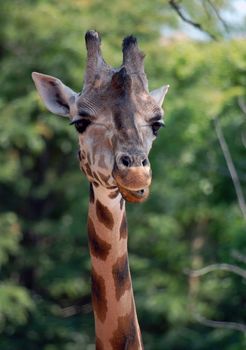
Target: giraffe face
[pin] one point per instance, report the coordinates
(116, 132)
(116, 118)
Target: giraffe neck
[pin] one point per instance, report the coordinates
(115, 315)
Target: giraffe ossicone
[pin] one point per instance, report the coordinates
(117, 120)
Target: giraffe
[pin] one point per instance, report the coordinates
(117, 119)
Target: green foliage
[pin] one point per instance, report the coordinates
(15, 305)
(10, 236)
(192, 217)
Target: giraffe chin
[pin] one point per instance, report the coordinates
(132, 196)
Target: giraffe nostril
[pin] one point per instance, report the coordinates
(145, 162)
(126, 161)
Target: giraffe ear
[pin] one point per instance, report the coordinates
(159, 94)
(55, 95)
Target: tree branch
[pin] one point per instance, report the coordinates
(219, 324)
(196, 25)
(237, 255)
(242, 104)
(211, 323)
(218, 15)
(222, 267)
(231, 167)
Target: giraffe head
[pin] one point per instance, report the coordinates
(116, 117)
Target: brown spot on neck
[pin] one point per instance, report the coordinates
(99, 248)
(123, 227)
(104, 215)
(121, 276)
(98, 291)
(99, 344)
(125, 336)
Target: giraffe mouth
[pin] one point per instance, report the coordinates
(134, 196)
(133, 183)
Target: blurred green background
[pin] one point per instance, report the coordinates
(192, 218)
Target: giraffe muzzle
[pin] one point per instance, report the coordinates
(133, 182)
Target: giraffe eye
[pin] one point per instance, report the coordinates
(156, 126)
(81, 125)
